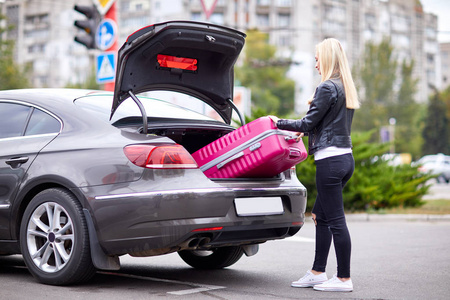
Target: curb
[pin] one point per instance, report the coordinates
(364, 217)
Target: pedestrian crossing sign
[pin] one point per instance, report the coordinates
(106, 71)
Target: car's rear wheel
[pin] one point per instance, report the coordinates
(217, 258)
(442, 179)
(54, 239)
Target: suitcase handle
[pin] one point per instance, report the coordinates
(290, 138)
(230, 159)
(294, 153)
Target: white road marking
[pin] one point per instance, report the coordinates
(197, 290)
(300, 239)
(197, 287)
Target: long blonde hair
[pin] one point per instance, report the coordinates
(333, 62)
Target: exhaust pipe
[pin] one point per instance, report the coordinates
(194, 243)
(204, 241)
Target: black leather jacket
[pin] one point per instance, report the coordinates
(328, 121)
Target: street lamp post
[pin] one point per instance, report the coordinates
(392, 122)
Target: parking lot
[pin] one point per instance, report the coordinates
(438, 191)
(391, 259)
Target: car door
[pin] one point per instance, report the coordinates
(24, 131)
(446, 165)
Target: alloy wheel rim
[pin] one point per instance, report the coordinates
(50, 237)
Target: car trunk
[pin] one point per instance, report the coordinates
(194, 137)
(191, 58)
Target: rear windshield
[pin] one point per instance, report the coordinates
(432, 159)
(100, 104)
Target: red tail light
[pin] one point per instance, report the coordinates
(160, 157)
(183, 63)
(297, 223)
(422, 169)
(207, 229)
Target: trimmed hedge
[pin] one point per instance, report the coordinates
(375, 184)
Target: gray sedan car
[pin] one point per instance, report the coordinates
(89, 176)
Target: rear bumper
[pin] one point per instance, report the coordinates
(158, 222)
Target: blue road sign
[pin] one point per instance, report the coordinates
(106, 70)
(106, 34)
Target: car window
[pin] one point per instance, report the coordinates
(427, 159)
(101, 106)
(42, 123)
(13, 118)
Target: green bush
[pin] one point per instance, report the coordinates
(375, 184)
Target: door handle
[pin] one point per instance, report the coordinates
(15, 162)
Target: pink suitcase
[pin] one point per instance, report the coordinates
(256, 149)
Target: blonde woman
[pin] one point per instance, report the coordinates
(328, 125)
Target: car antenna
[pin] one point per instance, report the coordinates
(142, 109)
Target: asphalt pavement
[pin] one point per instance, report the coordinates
(391, 260)
(438, 191)
(399, 257)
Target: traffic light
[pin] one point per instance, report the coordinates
(89, 25)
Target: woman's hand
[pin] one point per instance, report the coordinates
(274, 120)
(299, 136)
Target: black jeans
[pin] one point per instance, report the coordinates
(331, 176)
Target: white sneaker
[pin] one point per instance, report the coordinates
(335, 285)
(310, 280)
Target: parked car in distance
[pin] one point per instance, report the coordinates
(395, 159)
(89, 176)
(437, 164)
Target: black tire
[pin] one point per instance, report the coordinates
(54, 239)
(217, 258)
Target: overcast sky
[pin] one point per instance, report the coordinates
(441, 8)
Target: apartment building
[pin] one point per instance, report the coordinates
(297, 26)
(445, 63)
(44, 33)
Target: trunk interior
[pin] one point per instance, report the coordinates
(192, 138)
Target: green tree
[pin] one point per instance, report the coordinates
(435, 132)
(12, 76)
(445, 95)
(377, 77)
(405, 110)
(381, 101)
(90, 83)
(265, 75)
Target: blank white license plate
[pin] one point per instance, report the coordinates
(259, 206)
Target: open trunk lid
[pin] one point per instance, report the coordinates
(182, 56)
